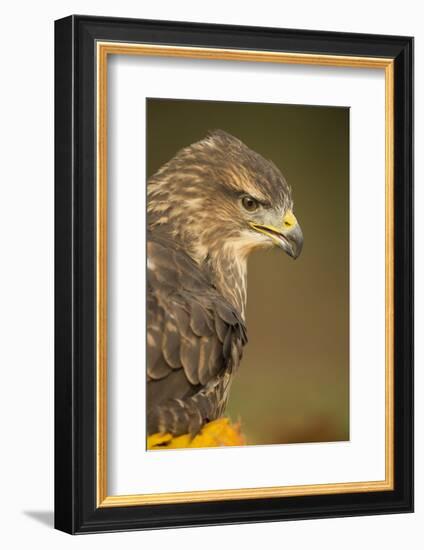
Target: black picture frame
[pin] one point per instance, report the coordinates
(76, 508)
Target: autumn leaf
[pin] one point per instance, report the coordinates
(218, 433)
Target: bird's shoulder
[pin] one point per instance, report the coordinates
(193, 332)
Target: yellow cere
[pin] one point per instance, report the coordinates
(289, 219)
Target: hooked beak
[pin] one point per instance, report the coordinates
(289, 236)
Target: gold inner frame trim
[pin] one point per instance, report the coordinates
(103, 50)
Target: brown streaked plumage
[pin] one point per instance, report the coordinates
(208, 208)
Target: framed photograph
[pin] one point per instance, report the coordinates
(234, 269)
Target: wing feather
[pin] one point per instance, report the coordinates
(220, 327)
(199, 320)
(194, 336)
(190, 349)
(171, 343)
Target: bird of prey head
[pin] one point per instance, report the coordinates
(218, 197)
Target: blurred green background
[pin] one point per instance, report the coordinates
(293, 383)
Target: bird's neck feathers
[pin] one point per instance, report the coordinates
(225, 264)
(228, 271)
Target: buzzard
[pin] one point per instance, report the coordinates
(207, 209)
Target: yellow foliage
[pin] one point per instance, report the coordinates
(218, 433)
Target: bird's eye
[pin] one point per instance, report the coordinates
(249, 203)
